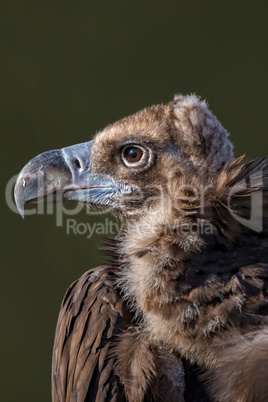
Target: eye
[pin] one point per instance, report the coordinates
(134, 155)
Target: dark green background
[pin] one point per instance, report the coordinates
(68, 69)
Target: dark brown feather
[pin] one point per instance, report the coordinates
(202, 290)
(241, 375)
(91, 316)
(100, 355)
(149, 371)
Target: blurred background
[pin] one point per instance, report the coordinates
(68, 69)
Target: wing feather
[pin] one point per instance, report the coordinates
(91, 316)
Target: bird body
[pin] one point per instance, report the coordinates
(192, 289)
(187, 279)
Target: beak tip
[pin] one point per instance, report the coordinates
(21, 211)
(20, 207)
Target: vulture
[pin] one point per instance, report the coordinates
(179, 312)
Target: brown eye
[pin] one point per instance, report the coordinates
(134, 155)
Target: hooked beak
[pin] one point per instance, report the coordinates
(66, 174)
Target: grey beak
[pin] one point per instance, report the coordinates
(65, 174)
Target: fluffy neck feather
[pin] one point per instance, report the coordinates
(190, 288)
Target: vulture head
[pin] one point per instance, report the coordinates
(130, 162)
(190, 264)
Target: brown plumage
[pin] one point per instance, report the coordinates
(183, 302)
(241, 374)
(88, 360)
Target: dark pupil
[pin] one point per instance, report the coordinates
(133, 154)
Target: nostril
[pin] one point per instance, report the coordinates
(76, 163)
